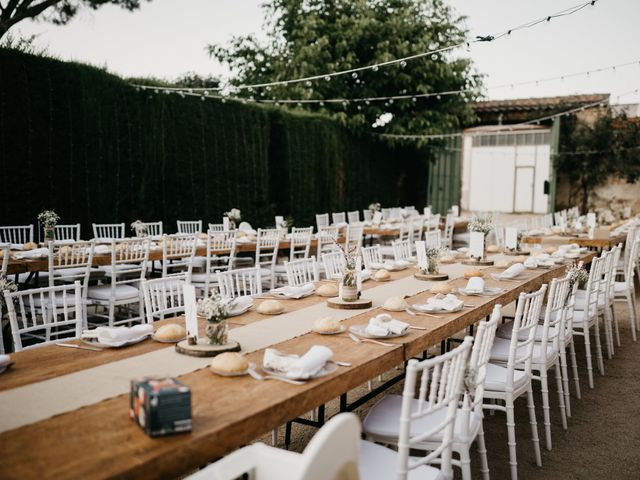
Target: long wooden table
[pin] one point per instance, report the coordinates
(101, 441)
(459, 227)
(583, 241)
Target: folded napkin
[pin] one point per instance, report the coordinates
(14, 246)
(243, 240)
(101, 249)
(240, 304)
(475, 285)
(304, 367)
(4, 360)
(514, 270)
(297, 292)
(247, 228)
(384, 324)
(118, 336)
(447, 302)
(531, 262)
(364, 275)
(35, 253)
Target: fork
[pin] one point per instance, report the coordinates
(411, 312)
(370, 340)
(257, 376)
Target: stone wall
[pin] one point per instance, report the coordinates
(614, 194)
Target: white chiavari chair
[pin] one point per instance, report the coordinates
(300, 242)
(417, 227)
(67, 232)
(402, 250)
(189, 227)
(302, 271)
(216, 227)
(332, 453)
(45, 315)
(624, 290)
(371, 257)
(268, 241)
(327, 238)
(382, 421)
(109, 231)
(16, 234)
(440, 382)
(609, 297)
(549, 341)
(240, 282)
(178, 252)
(353, 217)
(367, 215)
(387, 213)
(354, 236)
(447, 238)
(220, 256)
(154, 229)
(322, 220)
(433, 238)
(120, 290)
(433, 223)
(332, 264)
(163, 296)
(505, 382)
(339, 218)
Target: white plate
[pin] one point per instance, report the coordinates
(427, 308)
(252, 366)
(328, 368)
(335, 332)
(95, 343)
(520, 277)
(571, 255)
(240, 311)
(361, 331)
(280, 292)
(488, 291)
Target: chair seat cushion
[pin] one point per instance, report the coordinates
(496, 379)
(620, 287)
(121, 268)
(378, 462)
(61, 299)
(78, 272)
(506, 330)
(103, 292)
(581, 302)
(500, 351)
(199, 262)
(384, 420)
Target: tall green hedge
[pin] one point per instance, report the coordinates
(82, 141)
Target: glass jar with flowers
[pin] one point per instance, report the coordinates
(215, 310)
(234, 215)
(139, 228)
(433, 261)
(349, 281)
(49, 219)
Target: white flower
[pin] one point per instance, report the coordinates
(374, 207)
(8, 285)
(48, 218)
(215, 308)
(139, 227)
(234, 215)
(482, 225)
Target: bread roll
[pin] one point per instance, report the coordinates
(519, 259)
(395, 304)
(328, 290)
(503, 264)
(441, 287)
(382, 275)
(326, 324)
(550, 250)
(171, 332)
(66, 250)
(473, 272)
(230, 362)
(270, 307)
(29, 246)
(493, 249)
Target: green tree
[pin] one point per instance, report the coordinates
(591, 152)
(56, 11)
(314, 37)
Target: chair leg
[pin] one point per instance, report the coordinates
(482, 451)
(587, 348)
(545, 406)
(632, 314)
(606, 323)
(565, 380)
(511, 438)
(615, 323)
(599, 346)
(274, 437)
(563, 412)
(574, 367)
(534, 426)
(465, 463)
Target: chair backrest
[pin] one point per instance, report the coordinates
(154, 229)
(371, 256)
(406, 230)
(417, 229)
(109, 230)
(163, 296)
(322, 220)
(70, 263)
(177, 253)
(128, 264)
(353, 217)
(433, 238)
(190, 227)
(387, 213)
(594, 283)
(628, 243)
(67, 232)
(220, 255)
(16, 234)
(553, 326)
(526, 320)
(45, 315)
(300, 242)
(338, 218)
(630, 265)
(216, 227)
(332, 263)
(268, 241)
(4, 263)
(439, 390)
(447, 238)
(402, 249)
(240, 282)
(367, 215)
(610, 272)
(327, 238)
(569, 311)
(353, 237)
(302, 271)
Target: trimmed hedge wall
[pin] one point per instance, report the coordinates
(86, 143)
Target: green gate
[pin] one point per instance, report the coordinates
(444, 175)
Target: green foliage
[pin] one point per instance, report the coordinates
(314, 37)
(592, 152)
(87, 144)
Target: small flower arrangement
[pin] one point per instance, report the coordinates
(349, 274)
(140, 228)
(433, 257)
(577, 273)
(286, 223)
(216, 309)
(48, 218)
(374, 207)
(8, 285)
(234, 215)
(481, 224)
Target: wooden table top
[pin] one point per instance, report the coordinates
(582, 241)
(460, 226)
(101, 441)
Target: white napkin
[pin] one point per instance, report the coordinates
(297, 292)
(118, 336)
(240, 304)
(243, 240)
(302, 367)
(475, 285)
(384, 324)
(35, 253)
(364, 275)
(531, 262)
(513, 271)
(4, 360)
(447, 302)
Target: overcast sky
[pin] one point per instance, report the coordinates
(168, 37)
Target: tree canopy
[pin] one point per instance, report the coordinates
(56, 11)
(315, 37)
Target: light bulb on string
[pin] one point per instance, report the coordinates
(438, 97)
(354, 75)
(299, 105)
(203, 98)
(403, 64)
(414, 99)
(434, 56)
(374, 68)
(327, 78)
(308, 83)
(322, 104)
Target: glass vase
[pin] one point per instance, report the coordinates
(217, 332)
(432, 266)
(49, 234)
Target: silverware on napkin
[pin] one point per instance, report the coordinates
(81, 347)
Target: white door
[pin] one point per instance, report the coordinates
(523, 195)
